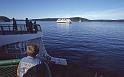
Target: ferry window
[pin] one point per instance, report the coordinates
(16, 47)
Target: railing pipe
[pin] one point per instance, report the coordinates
(9, 62)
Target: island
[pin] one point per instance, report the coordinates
(73, 19)
(4, 19)
(79, 19)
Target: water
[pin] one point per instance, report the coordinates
(91, 45)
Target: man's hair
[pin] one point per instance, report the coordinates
(32, 50)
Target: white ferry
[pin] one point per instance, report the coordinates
(63, 20)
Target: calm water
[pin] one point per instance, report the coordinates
(91, 45)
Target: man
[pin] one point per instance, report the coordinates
(30, 61)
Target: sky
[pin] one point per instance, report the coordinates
(91, 9)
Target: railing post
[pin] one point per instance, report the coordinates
(21, 28)
(2, 29)
(9, 27)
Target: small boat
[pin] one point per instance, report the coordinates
(63, 20)
(80, 21)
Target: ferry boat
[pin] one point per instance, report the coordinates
(13, 42)
(79, 21)
(63, 20)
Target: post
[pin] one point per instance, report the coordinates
(2, 30)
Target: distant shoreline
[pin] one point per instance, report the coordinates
(73, 19)
(77, 21)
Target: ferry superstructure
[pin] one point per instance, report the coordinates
(13, 42)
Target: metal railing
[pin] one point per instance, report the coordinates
(8, 71)
(8, 67)
(21, 29)
(9, 62)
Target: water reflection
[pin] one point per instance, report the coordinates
(63, 25)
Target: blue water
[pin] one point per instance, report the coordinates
(95, 45)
